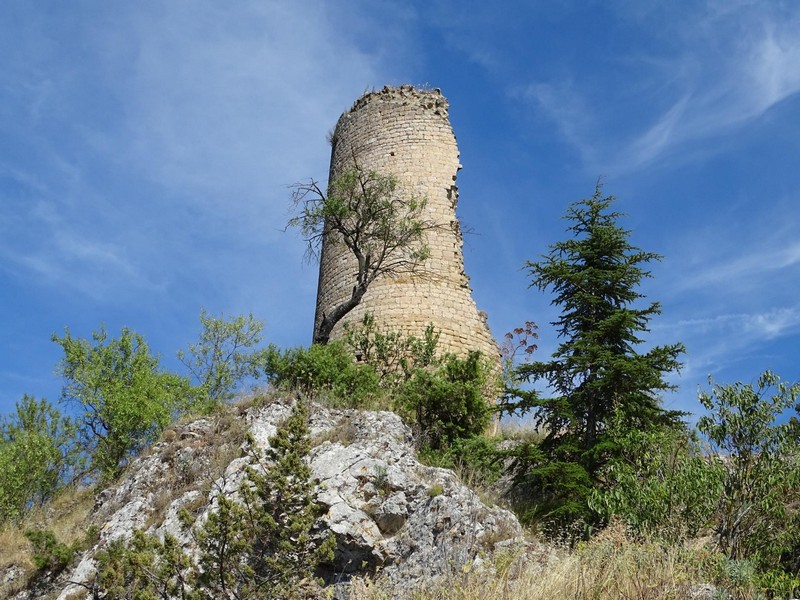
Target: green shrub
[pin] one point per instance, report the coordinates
(37, 455)
(757, 512)
(661, 485)
(393, 354)
(145, 568)
(325, 371)
(48, 553)
(224, 357)
(449, 403)
(475, 458)
(125, 400)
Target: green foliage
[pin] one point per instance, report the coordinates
(145, 569)
(476, 458)
(449, 403)
(661, 485)
(223, 358)
(259, 546)
(328, 371)
(757, 514)
(37, 456)
(392, 354)
(48, 553)
(596, 371)
(279, 513)
(363, 211)
(126, 400)
(435, 490)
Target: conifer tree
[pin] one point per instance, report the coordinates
(596, 372)
(264, 547)
(259, 545)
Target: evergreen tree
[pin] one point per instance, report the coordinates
(264, 546)
(596, 373)
(260, 545)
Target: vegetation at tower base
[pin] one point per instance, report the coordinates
(444, 398)
(363, 210)
(596, 373)
(125, 399)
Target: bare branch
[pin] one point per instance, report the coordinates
(383, 229)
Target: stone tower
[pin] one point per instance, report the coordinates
(406, 132)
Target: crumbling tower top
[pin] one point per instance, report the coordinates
(405, 132)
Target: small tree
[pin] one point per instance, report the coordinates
(37, 456)
(263, 547)
(257, 546)
(596, 372)
(450, 402)
(363, 210)
(224, 357)
(757, 513)
(125, 398)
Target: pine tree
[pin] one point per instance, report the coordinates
(264, 547)
(596, 373)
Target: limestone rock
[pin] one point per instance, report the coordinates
(392, 516)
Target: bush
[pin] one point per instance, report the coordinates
(662, 485)
(392, 354)
(449, 403)
(48, 553)
(126, 399)
(757, 513)
(328, 371)
(37, 455)
(475, 458)
(223, 358)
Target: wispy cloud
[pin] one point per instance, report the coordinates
(722, 70)
(162, 145)
(746, 326)
(730, 343)
(745, 270)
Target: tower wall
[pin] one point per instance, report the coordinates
(406, 132)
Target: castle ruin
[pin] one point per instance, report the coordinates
(405, 132)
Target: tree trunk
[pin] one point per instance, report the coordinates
(323, 333)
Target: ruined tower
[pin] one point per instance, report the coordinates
(405, 132)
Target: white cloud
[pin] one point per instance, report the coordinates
(162, 145)
(747, 271)
(720, 70)
(746, 326)
(773, 66)
(573, 116)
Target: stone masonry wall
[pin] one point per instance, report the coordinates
(405, 132)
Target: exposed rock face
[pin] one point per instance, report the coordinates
(390, 514)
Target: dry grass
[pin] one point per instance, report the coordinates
(67, 516)
(610, 567)
(519, 431)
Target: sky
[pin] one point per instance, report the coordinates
(147, 151)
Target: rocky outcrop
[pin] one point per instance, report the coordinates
(393, 517)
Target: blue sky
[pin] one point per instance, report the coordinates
(146, 151)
